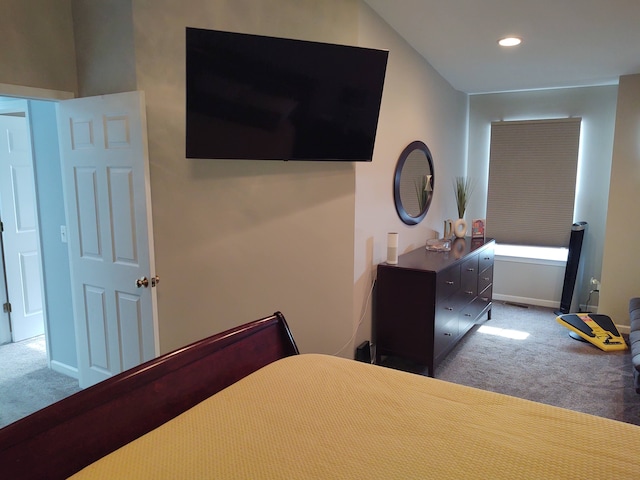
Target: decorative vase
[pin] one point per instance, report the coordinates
(448, 229)
(460, 228)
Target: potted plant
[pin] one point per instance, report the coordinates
(463, 188)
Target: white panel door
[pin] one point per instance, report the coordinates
(20, 235)
(103, 146)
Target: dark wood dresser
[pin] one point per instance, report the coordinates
(428, 301)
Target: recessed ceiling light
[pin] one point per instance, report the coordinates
(510, 41)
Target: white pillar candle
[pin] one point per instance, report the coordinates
(392, 248)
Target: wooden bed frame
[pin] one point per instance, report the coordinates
(62, 439)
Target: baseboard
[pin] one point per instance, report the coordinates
(527, 301)
(623, 329)
(65, 369)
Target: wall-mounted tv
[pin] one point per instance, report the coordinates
(266, 98)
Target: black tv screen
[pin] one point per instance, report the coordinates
(257, 97)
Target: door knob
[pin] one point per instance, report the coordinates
(144, 282)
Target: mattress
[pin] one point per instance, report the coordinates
(319, 417)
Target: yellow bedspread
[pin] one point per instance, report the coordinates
(319, 417)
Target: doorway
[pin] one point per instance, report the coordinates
(54, 375)
(90, 158)
(20, 264)
(56, 304)
(59, 325)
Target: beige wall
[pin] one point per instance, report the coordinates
(621, 261)
(418, 104)
(236, 240)
(37, 45)
(105, 52)
(303, 238)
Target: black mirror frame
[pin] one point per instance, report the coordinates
(404, 216)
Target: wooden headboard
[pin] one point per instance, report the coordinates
(60, 440)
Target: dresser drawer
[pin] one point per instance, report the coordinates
(469, 279)
(445, 328)
(485, 279)
(485, 296)
(485, 258)
(448, 282)
(469, 314)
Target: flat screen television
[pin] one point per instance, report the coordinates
(266, 98)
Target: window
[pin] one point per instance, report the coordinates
(532, 181)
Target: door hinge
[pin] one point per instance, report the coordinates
(1, 226)
(6, 307)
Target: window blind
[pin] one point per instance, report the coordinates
(532, 181)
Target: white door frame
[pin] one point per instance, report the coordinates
(33, 93)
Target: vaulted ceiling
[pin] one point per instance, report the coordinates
(566, 43)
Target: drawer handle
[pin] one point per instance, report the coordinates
(486, 278)
(449, 308)
(471, 269)
(469, 292)
(487, 258)
(447, 334)
(467, 314)
(449, 282)
(484, 299)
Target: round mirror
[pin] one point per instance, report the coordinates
(413, 183)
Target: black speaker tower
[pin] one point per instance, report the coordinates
(571, 271)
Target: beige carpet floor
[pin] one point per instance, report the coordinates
(524, 352)
(26, 382)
